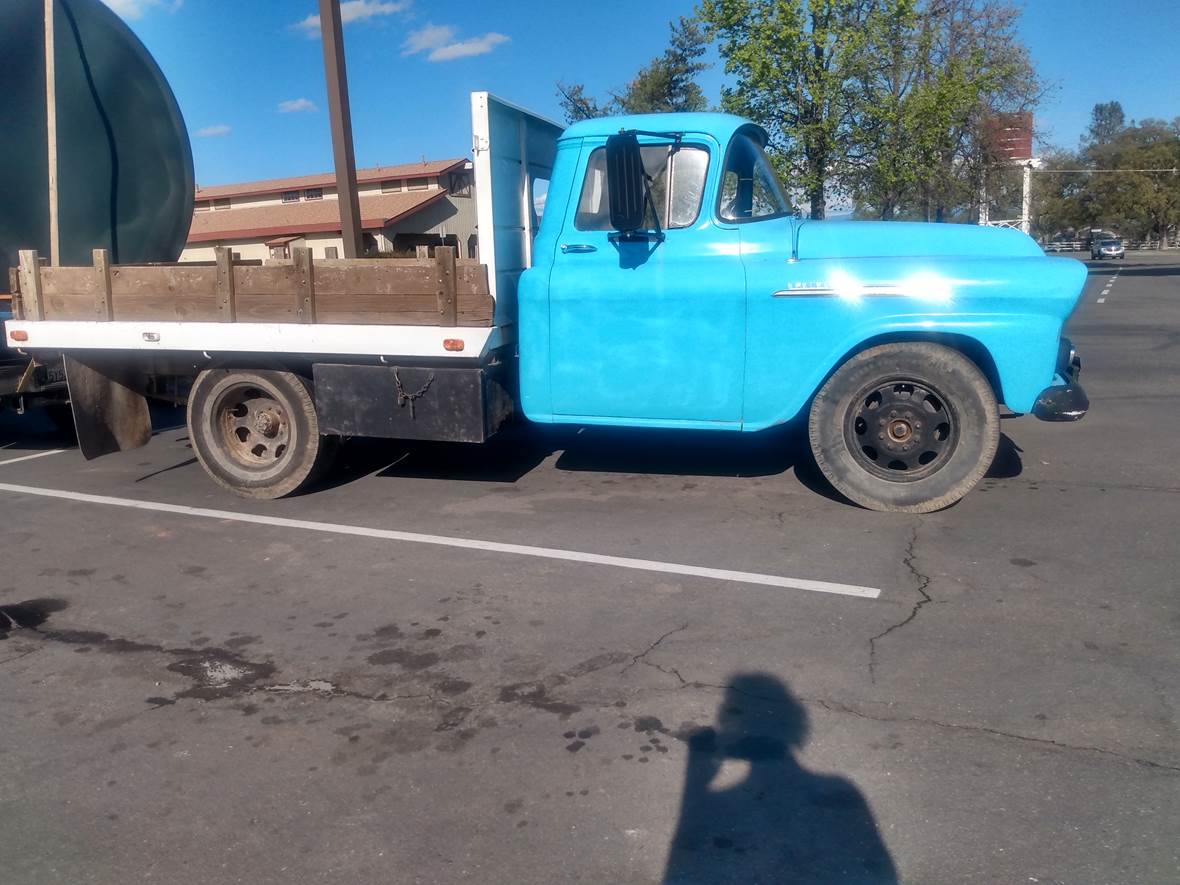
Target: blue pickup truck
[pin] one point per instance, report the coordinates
(647, 271)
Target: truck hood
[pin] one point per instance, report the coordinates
(890, 239)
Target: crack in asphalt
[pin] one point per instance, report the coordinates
(639, 658)
(839, 708)
(325, 689)
(923, 581)
(835, 707)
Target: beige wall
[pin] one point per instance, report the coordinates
(451, 215)
(247, 249)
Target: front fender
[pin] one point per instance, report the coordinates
(1010, 309)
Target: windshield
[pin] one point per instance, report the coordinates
(1111, 243)
(750, 189)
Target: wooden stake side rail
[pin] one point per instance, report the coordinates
(439, 291)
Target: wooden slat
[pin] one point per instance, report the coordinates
(265, 294)
(177, 292)
(422, 252)
(375, 309)
(102, 285)
(30, 285)
(226, 302)
(373, 291)
(448, 309)
(304, 284)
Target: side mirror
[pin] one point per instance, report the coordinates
(626, 182)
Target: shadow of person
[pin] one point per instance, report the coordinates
(780, 822)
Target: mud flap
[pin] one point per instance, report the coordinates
(110, 410)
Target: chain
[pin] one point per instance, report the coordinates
(403, 397)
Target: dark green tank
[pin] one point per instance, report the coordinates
(125, 167)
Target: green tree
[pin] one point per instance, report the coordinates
(1057, 206)
(577, 105)
(791, 61)
(1141, 201)
(1124, 180)
(666, 84)
(932, 73)
(1106, 122)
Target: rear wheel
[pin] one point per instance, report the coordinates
(905, 427)
(256, 433)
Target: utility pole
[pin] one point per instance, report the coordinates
(51, 133)
(341, 119)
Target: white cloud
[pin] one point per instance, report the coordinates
(133, 9)
(472, 46)
(295, 105)
(429, 37)
(213, 131)
(440, 41)
(350, 11)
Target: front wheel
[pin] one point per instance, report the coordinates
(907, 428)
(256, 433)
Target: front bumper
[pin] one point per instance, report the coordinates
(1064, 399)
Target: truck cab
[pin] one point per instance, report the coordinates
(721, 309)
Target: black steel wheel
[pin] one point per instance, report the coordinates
(908, 427)
(901, 430)
(256, 432)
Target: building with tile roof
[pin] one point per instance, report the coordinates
(402, 207)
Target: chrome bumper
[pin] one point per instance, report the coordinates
(1064, 399)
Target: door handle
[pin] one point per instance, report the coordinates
(577, 248)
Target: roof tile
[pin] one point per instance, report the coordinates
(328, 179)
(304, 217)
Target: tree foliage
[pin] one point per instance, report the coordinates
(1119, 179)
(921, 145)
(666, 84)
(1106, 122)
(883, 101)
(791, 62)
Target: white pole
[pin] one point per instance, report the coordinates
(984, 215)
(51, 132)
(1026, 199)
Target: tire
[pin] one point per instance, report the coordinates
(896, 462)
(256, 433)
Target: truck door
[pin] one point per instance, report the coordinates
(649, 332)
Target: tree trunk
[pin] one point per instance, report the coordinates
(818, 204)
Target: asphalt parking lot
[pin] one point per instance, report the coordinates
(264, 692)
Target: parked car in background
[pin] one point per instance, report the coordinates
(1107, 249)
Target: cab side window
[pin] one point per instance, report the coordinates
(677, 205)
(749, 186)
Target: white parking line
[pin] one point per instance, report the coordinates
(1109, 283)
(647, 565)
(32, 456)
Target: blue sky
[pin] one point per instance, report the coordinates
(249, 73)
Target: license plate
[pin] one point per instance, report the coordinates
(54, 374)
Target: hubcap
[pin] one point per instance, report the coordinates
(901, 430)
(252, 426)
